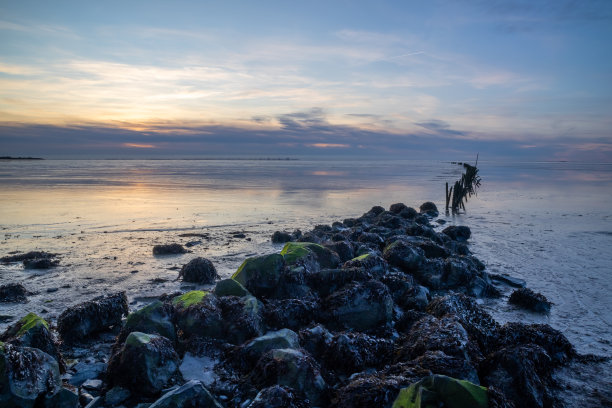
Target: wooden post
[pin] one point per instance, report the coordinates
(447, 197)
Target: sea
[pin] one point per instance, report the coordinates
(548, 223)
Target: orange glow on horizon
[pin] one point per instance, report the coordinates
(327, 145)
(139, 145)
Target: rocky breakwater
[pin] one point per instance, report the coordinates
(375, 311)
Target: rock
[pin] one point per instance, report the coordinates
(343, 248)
(404, 255)
(144, 365)
(290, 313)
(198, 314)
(280, 339)
(521, 373)
(397, 208)
(428, 208)
(372, 263)
(64, 398)
(349, 353)
(430, 334)
(458, 232)
(80, 321)
(84, 371)
(294, 369)
(200, 368)
(371, 239)
(93, 385)
(33, 331)
(277, 396)
(86, 398)
(27, 376)
(440, 363)
(405, 292)
(40, 263)
(297, 253)
(169, 249)
(280, 237)
(199, 270)
(440, 390)
(481, 327)
(13, 292)
(155, 318)
(230, 287)
(327, 281)
(27, 256)
(363, 306)
(242, 318)
(191, 394)
(556, 345)
(315, 339)
(260, 275)
(509, 280)
(528, 299)
(116, 396)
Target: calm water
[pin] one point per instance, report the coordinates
(548, 223)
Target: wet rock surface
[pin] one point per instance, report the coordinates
(13, 292)
(528, 299)
(359, 313)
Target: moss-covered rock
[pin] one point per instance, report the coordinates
(198, 314)
(434, 390)
(190, 394)
(230, 287)
(260, 275)
(145, 364)
(155, 318)
(27, 376)
(372, 263)
(296, 252)
(33, 331)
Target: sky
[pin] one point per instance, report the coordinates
(515, 79)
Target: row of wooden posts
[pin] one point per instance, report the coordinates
(458, 194)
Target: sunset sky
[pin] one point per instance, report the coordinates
(416, 79)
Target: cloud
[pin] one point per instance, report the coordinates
(441, 128)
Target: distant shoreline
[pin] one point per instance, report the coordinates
(20, 158)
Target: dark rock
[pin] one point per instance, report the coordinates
(191, 394)
(370, 262)
(280, 237)
(155, 318)
(343, 248)
(509, 280)
(429, 208)
(405, 292)
(327, 281)
(40, 263)
(481, 327)
(28, 256)
(83, 371)
(169, 249)
(280, 339)
(290, 313)
(27, 376)
(13, 292)
(458, 232)
(33, 331)
(521, 373)
(261, 275)
(423, 219)
(278, 396)
(430, 334)
(199, 270)
(242, 318)
(408, 213)
(374, 211)
(348, 352)
(315, 339)
(407, 319)
(528, 299)
(430, 248)
(440, 363)
(363, 306)
(80, 321)
(144, 365)
(556, 345)
(116, 396)
(230, 287)
(298, 253)
(371, 239)
(294, 369)
(198, 314)
(64, 398)
(404, 255)
(398, 208)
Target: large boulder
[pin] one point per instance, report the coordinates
(33, 331)
(556, 345)
(528, 299)
(327, 281)
(260, 275)
(405, 292)
(440, 390)
(230, 287)
(145, 364)
(28, 376)
(242, 318)
(294, 369)
(301, 253)
(404, 255)
(428, 208)
(13, 292)
(199, 270)
(198, 314)
(155, 318)
(372, 263)
(291, 313)
(458, 232)
(82, 320)
(191, 394)
(362, 306)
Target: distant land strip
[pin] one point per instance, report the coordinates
(20, 158)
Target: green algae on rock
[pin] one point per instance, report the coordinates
(436, 389)
(190, 298)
